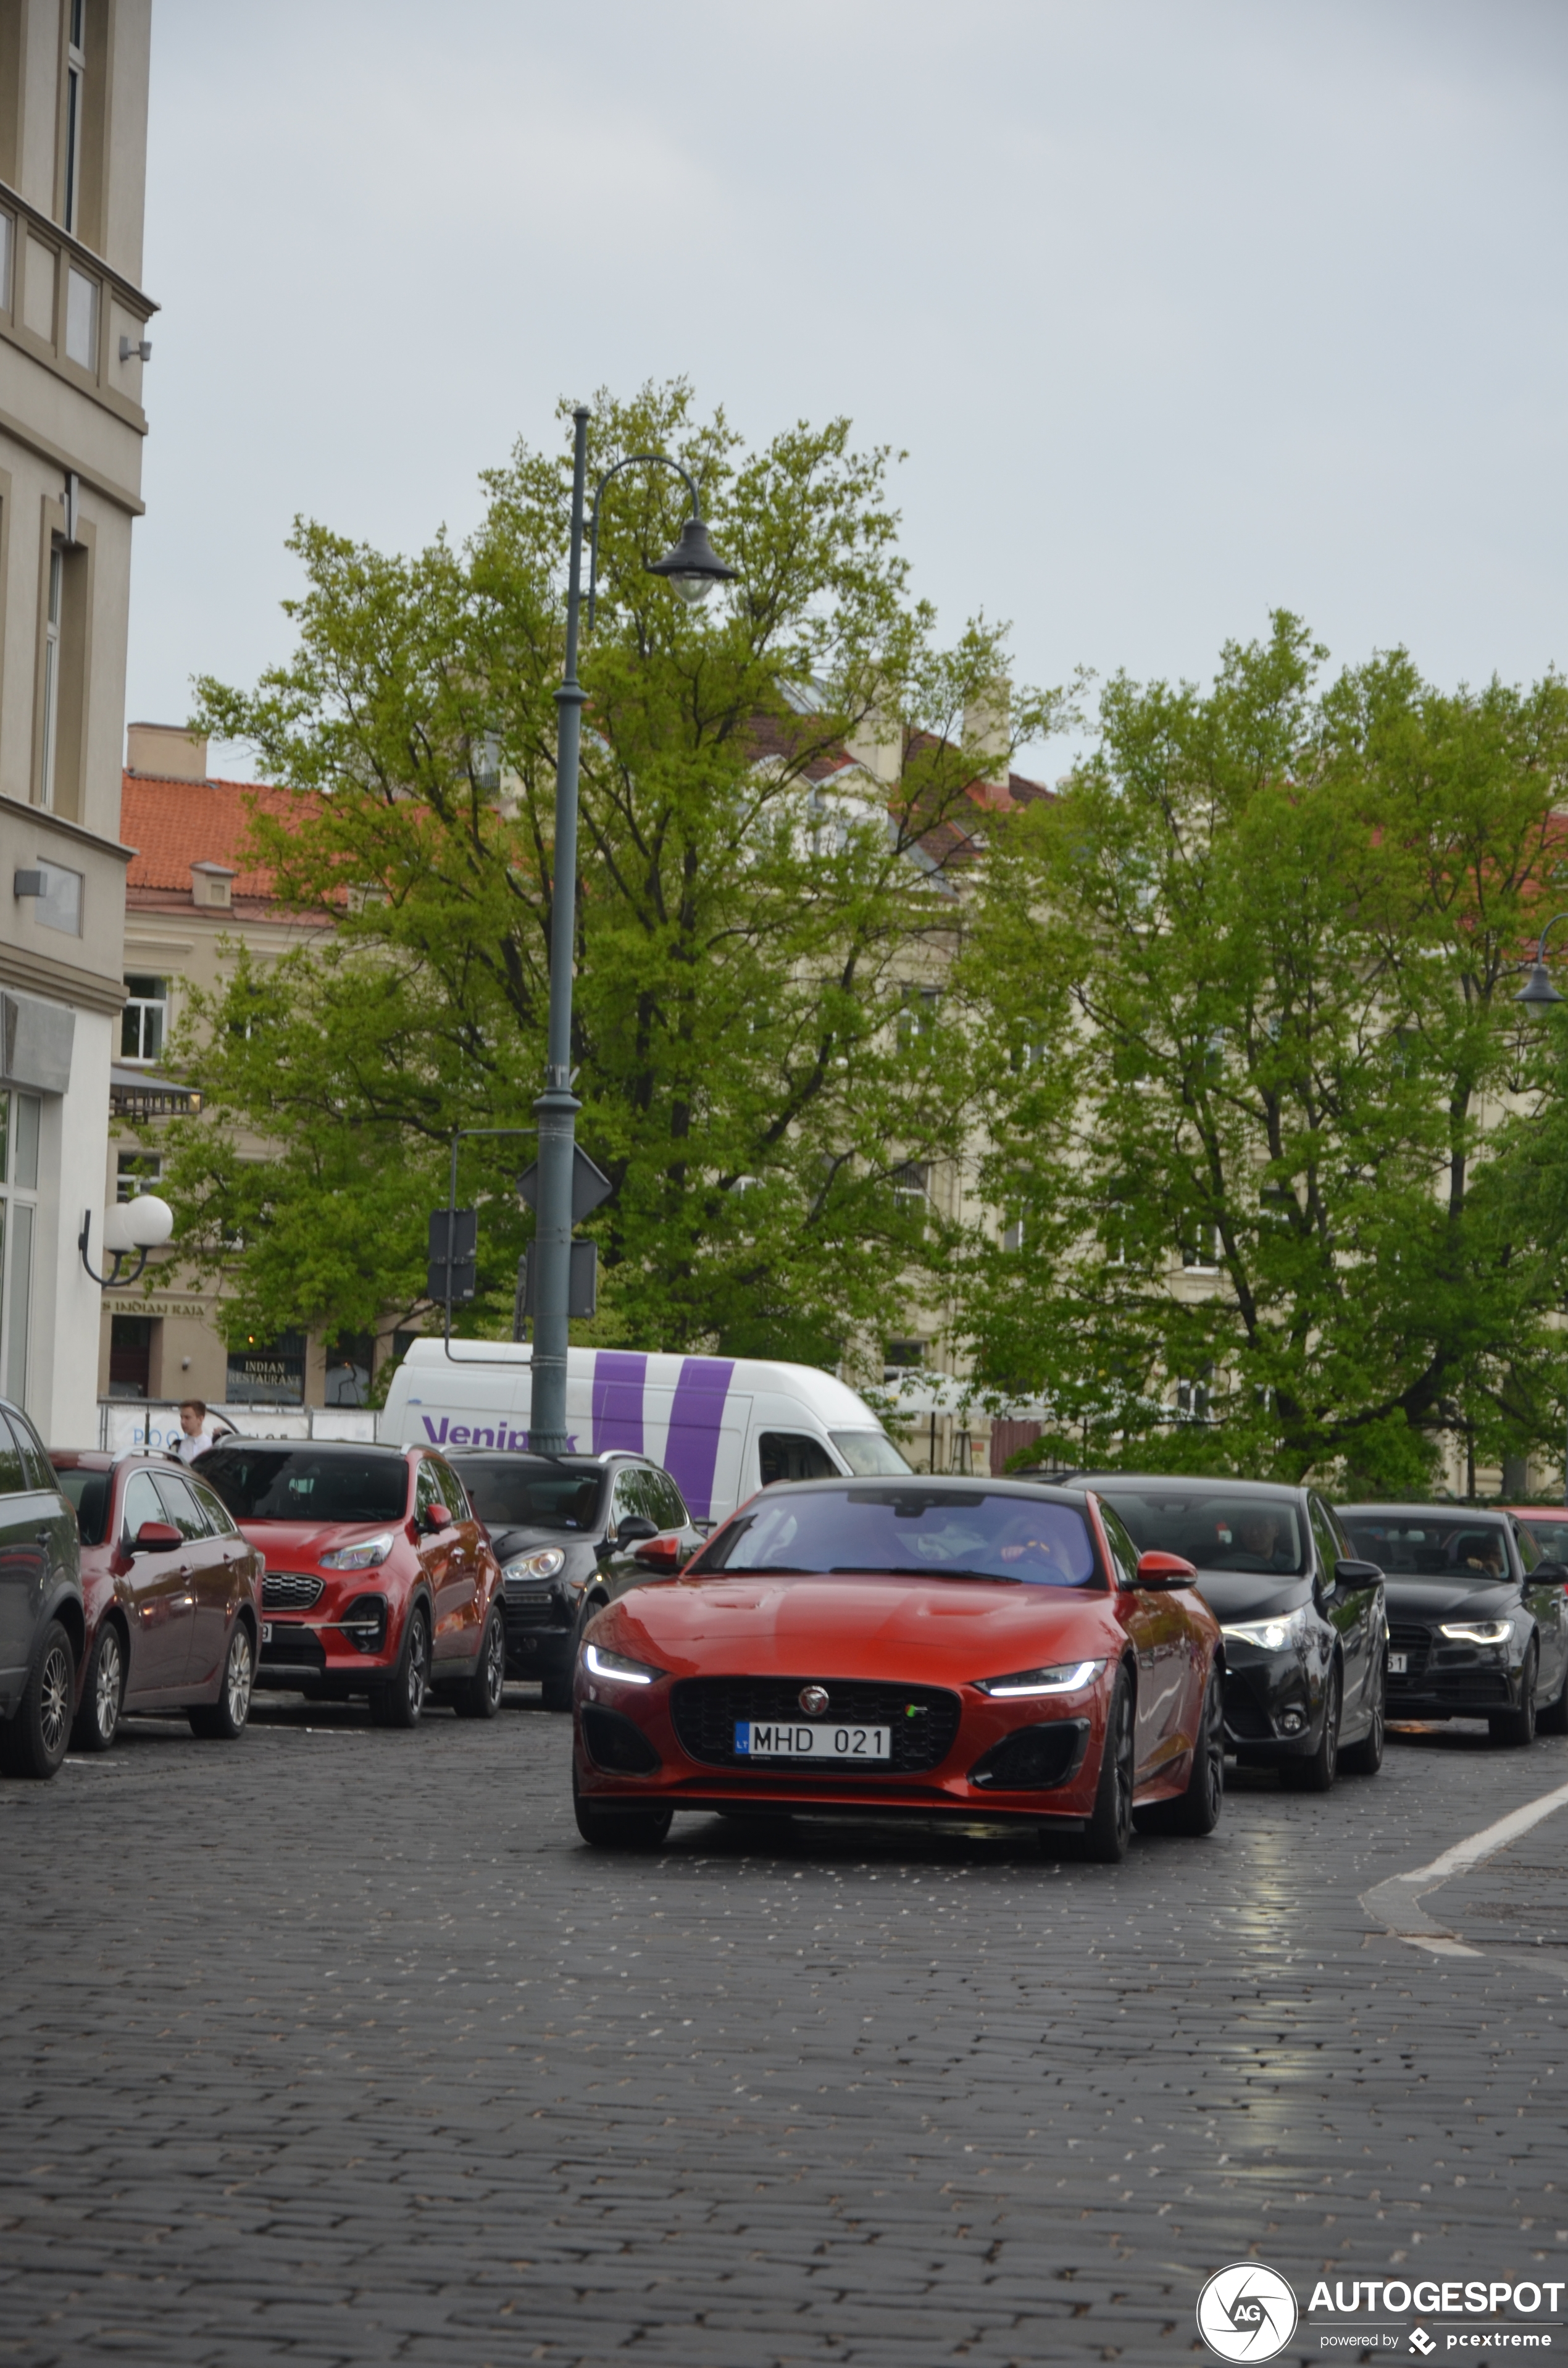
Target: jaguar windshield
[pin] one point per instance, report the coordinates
(283, 1484)
(1213, 1527)
(914, 1530)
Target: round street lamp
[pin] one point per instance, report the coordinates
(692, 568)
(1538, 988)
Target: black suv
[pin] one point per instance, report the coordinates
(570, 1532)
(42, 1625)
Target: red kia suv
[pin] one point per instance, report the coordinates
(380, 1579)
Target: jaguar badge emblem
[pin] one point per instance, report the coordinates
(813, 1700)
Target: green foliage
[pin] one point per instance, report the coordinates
(744, 936)
(1248, 988)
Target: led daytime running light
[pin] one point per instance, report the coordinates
(617, 1669)
(1476, 1632)
(1026, 1684)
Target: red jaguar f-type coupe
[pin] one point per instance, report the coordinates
(977, 1647)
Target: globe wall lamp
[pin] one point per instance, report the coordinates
(1538, 988)
(143, 1224)
(692, 569)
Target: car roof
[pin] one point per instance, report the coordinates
(1197, 1483)
(1433, 1512)
(578, 1462)
(315, 1446)
(957, 1484)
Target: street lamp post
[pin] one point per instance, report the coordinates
(1538, 988)
(692, 569)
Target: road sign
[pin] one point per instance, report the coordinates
(590, 1185)
(583, 1293)
(452, 1271)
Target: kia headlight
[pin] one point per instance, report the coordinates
(543, 1563)
(1065, 1677)
(1270, 1635)
(616, 1668)
(364, 1556)
(1476, 1632)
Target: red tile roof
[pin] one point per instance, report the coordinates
(175, 824)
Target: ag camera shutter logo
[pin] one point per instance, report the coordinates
(1246, 2312)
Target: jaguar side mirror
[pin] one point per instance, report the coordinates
(156, 1537)
(1161, 1572)
(662, 1556)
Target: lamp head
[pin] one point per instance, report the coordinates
(1538, 988)
(693, 567)
(147, 1220)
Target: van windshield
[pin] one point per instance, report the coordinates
(511, 1494)
(868, 1452)
(282, 1484)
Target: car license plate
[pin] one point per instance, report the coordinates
(1398, 1664)
(266, 1631)
(758, 1738)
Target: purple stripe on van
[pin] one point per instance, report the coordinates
(619, 1377)
(695, 1416)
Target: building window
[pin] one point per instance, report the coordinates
(1200, 1251)
(350, 1369)
(918, 1016)
(82, 320)
(21, 1116)
(912, 1179)
(76, 83)
(59, 900)
(1192, 1401)
(267, 1372)
(901, 1357)
(51, 670)
(143, 1023)
(136, 1171)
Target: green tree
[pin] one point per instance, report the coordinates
(750, 915)
(1268, 1116)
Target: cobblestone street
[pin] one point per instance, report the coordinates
(338, 2046)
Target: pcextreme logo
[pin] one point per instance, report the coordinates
(1246, 2312)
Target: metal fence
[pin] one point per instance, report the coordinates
(125, 1423)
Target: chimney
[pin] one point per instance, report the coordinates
(211, 885)
(987, 730)
(166, 750)
(877, 745)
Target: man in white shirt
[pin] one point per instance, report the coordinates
(198, 1428)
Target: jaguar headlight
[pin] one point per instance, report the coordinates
(1476, 1632)
(543, 1563)
(364, 1556)
(1065, 1677)
(617, 1669)
(1270, 1635)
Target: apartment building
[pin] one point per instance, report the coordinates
(74, 324)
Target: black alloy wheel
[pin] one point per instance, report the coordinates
(103, 1692)
(1517, 1727)
(1105, 1839)
(606, 1829)
(1196, 1809)
(400, 1700)
(34, 1742)
(224, 1720)
(1365, 1757)
(480, 1696)
(1317, 1771)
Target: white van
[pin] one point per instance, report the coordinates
(721, 1426)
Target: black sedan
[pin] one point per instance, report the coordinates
(1478, 1621)
(565, 1529)
(1302, 1616)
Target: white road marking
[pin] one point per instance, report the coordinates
(1393, 1903)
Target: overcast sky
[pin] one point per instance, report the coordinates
(1182, 309)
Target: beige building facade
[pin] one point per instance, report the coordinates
(74, 324)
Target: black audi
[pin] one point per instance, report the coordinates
(570, 1532)
(1478, 1618)
(1301, 1611)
